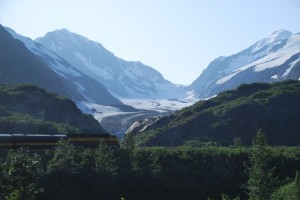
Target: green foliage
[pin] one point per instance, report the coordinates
(105, 160)
(260, 182)
(87, 158)
(289, 191)
(64, 160)
(129, 143)
(22, 172)
(157, 173)
(200, 142)
(20, 123)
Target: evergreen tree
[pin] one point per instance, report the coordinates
(290, 191)
(260, 180)
(128, 143)
(64, 159)
(297, 186)
(21, 173)
(105, 160)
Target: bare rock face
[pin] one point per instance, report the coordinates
(149, 123)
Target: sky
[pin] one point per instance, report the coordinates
(179, 38)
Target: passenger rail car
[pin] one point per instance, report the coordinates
(39, 141)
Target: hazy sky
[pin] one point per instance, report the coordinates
(177, 37)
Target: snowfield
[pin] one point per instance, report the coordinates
(100, 112)
(116, 121)
(163, 105)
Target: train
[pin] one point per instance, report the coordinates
(44, 141)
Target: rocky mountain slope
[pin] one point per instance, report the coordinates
(25, 61)
(123, 78)
(269, 60)
(235, 114)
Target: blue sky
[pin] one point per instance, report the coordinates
(178, 38)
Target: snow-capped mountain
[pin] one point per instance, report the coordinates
(122, 78)
(67, 79)
(271, 59)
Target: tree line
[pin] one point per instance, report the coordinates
(258, 172)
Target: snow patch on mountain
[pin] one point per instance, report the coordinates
(239, 61)
(226, 78)
(62, 70)
(291, 67)
(274, 76)
(92, 69)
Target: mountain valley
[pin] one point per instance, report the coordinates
(118, 93)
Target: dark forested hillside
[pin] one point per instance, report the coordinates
(29, 109)
(232, 115)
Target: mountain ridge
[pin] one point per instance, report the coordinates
(124, 79)
(264, 61)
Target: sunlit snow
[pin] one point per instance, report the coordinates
(92, 70)
(162, 105)
(99, 112)
(277, 35)
(226, 78)
(274, 77)
(290, 68)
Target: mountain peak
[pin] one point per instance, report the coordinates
(280, 34)
(64, 36)
(126, 79)
(61, 31)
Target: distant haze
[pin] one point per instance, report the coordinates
(178, 38)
